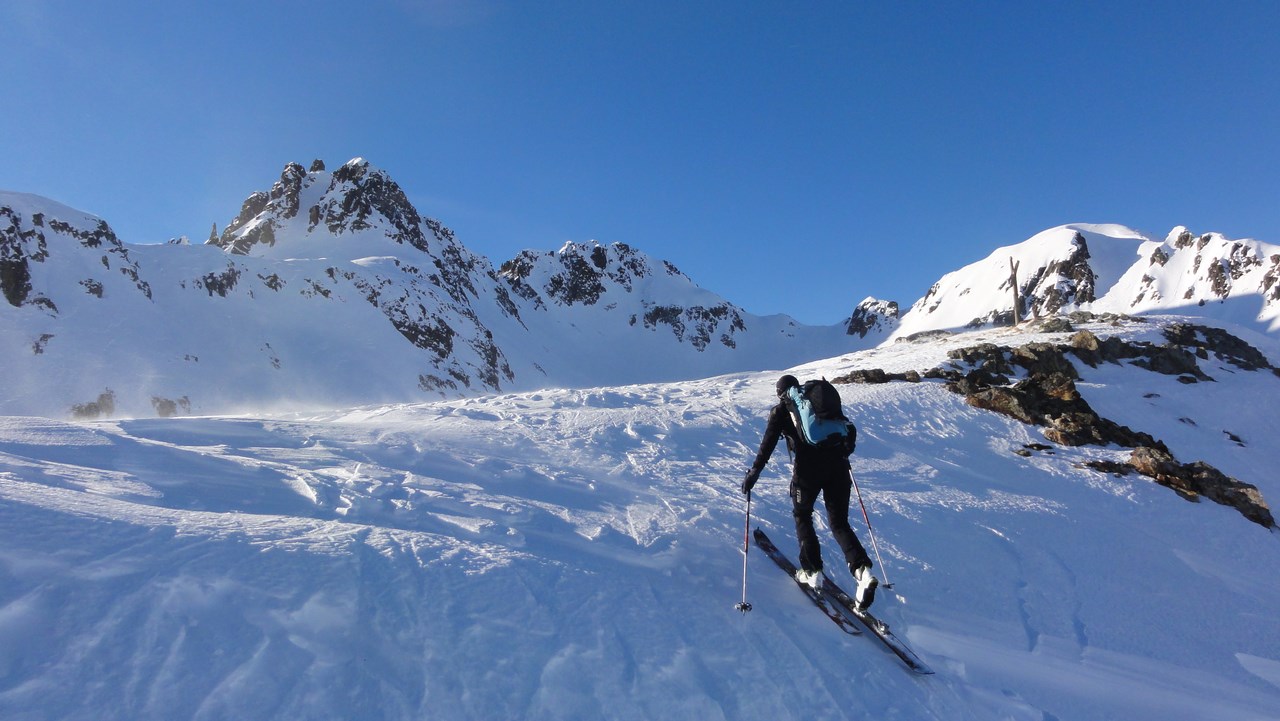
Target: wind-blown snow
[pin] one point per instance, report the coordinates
(574, 554)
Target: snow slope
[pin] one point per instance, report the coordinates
(575, 554)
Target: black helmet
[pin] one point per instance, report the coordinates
(784, 383)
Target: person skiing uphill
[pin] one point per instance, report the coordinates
(816, 470)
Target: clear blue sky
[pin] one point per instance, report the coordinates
(893, 141)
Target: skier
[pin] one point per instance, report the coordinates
(815, 470)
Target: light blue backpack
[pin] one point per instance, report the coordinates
(816, 410)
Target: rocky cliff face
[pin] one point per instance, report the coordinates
(1066, 283)
(432, 289)
(618, 276)
(34, 232)
(1188, 269)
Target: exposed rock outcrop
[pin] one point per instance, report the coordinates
(1046, 396)
(25, 240)
(1193, 481)
(590, 274)
(873, 316)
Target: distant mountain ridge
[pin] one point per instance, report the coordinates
(1107, 268)
(331, 288)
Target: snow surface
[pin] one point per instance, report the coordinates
(575, 554)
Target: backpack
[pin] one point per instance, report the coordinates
(819, 417)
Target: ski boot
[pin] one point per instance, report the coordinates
(866, 590)
(812, 579)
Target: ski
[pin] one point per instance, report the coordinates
(878, 628)
(832, 612)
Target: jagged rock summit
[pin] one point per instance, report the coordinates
(348, 213)
(435, 292)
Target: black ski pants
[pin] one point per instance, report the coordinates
(836, 488)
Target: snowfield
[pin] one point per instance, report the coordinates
(576, 554)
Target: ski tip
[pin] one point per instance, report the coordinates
(918, 666)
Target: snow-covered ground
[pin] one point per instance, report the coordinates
(576, 554)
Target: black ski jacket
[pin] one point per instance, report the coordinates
(810, 463)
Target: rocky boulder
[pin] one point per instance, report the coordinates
(1193, 481)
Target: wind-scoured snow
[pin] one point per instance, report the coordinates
(575, 554)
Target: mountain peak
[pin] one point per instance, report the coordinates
(309, 209)
(873, 317)
(343, 258)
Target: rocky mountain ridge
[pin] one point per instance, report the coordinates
(1106, 268)
(587, 274)
(330, 270)
(317, 275)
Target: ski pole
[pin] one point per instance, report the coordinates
(875, 546)
(746, 546)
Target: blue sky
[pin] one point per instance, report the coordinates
(794, 157)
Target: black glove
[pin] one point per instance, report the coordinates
(749, 482)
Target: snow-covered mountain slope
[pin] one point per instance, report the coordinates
(1107, 268)
(570, 554)
(334, 276)
(1208, 275)
(193, 326)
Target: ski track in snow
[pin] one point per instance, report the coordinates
(574, 554)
